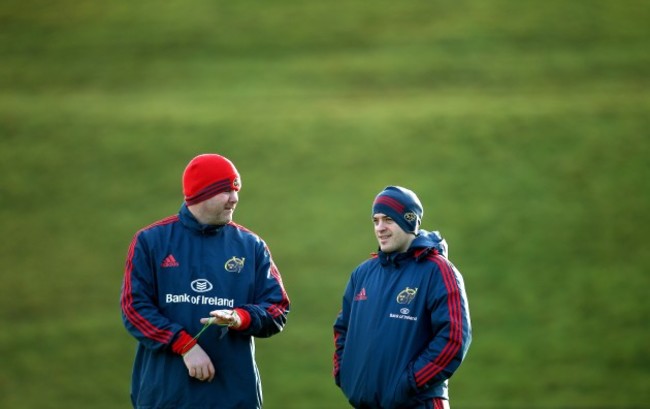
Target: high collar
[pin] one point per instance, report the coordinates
(424, 244)
(189, 221)
(394, 258)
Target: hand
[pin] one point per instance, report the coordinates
(228, 318)
(198, 364)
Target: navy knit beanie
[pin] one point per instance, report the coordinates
(400, 204)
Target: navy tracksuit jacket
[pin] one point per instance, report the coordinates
(403, 329)
(177, 271)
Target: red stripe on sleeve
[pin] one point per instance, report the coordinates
(454, 343)
(141, 323)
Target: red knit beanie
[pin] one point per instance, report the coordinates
(208, 175)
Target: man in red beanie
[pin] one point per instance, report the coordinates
(197, 289)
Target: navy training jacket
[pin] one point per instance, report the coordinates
(177, 271)
(404, 327)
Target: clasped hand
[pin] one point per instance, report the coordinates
(198, 364)
(196, 360)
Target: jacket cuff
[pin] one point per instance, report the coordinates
(245, 318)
(183, 343)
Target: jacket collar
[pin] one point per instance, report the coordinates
(189, 221)
(424, 244)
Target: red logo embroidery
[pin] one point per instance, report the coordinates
(361, 296)
(169, 261)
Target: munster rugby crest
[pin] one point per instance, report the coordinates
(406, 295)
(410, 217)
(235, 264)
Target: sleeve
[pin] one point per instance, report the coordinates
(267, 314)
(341, 330)
(450, 320)
(140, 313)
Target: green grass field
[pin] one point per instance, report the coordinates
(523, 126)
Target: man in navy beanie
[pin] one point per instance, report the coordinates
(404, 327)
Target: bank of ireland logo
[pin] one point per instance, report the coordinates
(201, 285)
(235, 264)
(406, 295)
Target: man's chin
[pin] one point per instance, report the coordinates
(223, 221)
(386, 248)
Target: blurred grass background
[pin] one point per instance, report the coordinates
(522, 125)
